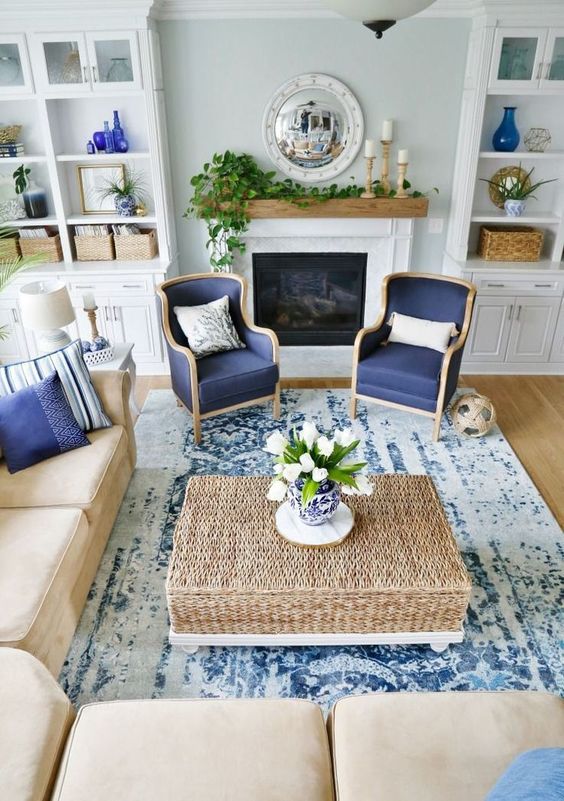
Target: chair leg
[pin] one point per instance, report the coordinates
(353, 407)
(437, 427)
(276, 403)
(197, 426)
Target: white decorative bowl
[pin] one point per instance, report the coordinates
(94, 357)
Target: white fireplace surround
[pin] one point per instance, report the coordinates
(388, 245)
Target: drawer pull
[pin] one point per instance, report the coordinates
(116, 318)
(84, 286)
(518, 313)
(510, 315)
(107, 314)
(132, 286)
(15, 315)
(500, 286)
(539, 70)
(543, 286)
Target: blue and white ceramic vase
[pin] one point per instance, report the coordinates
(514, 208)
(125, 205)
(321, 508)
(506, 138)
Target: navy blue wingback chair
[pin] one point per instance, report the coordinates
(223, 381)
(408, 377)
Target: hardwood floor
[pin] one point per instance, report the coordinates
(530, 412)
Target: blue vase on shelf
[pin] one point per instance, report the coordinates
(506, 138)
(125, 205)
(108, 138)
(121, 144)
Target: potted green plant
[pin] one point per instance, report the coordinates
(127, 192)
(34, 197)
(515, 190)
(10, 267)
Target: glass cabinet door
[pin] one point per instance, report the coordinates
(517, 58)
(114, 61)
(15, 75)
(63, 57)
(553, 72)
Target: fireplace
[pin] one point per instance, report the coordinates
(310, 298)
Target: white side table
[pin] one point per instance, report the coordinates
(123, 360)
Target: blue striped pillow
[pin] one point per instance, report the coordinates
(71, 368)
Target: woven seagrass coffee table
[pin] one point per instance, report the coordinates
(233, 580)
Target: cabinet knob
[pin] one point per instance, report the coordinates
(539, 70)
(94, 75)
(15, 315)
(85, 73)
(107, 314)
(510, 315)
(548, 66)
(116, 318)
(518, 312)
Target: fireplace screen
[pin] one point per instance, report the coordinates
(310, 298)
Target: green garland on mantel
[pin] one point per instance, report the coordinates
(222, 191)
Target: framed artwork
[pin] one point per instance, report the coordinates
(93, 182)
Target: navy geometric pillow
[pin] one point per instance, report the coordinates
(36, 423)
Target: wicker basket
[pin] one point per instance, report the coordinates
(49, 248)
(137, 246)
(94, 248)
(510, 243)
(9, 248)
(9, 134)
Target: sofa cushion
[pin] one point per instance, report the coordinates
(436, 746)
(70, 479)
(406, 368)
(36, 423)
(238, 372)
(209, 750)
(41, 553)
(36, 716)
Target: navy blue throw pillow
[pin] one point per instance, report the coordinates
(36, 423)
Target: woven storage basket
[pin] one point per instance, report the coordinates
(9, 134)
(9, 248)
(49, 248)
(94, 248)
(137, 246)
(94, 357)
(510, 243)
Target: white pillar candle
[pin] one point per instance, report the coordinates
(89, 301)
(387, 130)
(370, 149)
(403, 156)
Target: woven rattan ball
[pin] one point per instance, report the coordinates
(473, 415)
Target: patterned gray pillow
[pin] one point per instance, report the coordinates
(209, 328)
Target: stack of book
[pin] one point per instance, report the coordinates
(91, 230)
(11, 150)
(33, 233)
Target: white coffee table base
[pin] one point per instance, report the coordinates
(437, 640)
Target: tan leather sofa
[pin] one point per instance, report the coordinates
(385, 747)
(55, 519)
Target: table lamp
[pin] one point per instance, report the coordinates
(46, 307)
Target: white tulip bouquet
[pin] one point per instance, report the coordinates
(315, 458)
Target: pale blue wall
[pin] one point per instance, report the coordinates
(219, 75)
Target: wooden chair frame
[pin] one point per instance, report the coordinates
(438, 413)
(191, 359)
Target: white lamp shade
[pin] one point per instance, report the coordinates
(369, 10)
(46, 305)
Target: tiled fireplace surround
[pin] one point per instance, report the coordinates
(388, 245)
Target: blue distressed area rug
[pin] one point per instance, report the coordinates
(509, 540)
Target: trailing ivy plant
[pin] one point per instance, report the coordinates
(226, 185)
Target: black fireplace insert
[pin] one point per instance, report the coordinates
(310, 298)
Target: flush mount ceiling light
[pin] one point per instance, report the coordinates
(378, 15)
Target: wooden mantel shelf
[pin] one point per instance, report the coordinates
(385, 207)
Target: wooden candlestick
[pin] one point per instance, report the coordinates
(402, 170)
(92, 319)
(368, 193)
(384, 178)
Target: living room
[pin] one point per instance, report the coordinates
(281, 400)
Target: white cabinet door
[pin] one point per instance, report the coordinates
(532, 330)
(13, 348)
(557, 352)
(62, 62)
(489, 332)
(15, 70)
(553, 65)
(517, 58)
(114, 61)
(134, 319)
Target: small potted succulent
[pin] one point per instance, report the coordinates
(127, 192)
(515, 190)
(310, 469)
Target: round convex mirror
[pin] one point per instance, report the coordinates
(313, 128)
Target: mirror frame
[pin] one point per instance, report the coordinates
(354, 122)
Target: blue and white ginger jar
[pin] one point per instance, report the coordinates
(321, 508)
(125, 205)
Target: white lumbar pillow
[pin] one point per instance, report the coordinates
(421, 333)
(209, 328)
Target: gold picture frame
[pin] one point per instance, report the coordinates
(93, 180)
